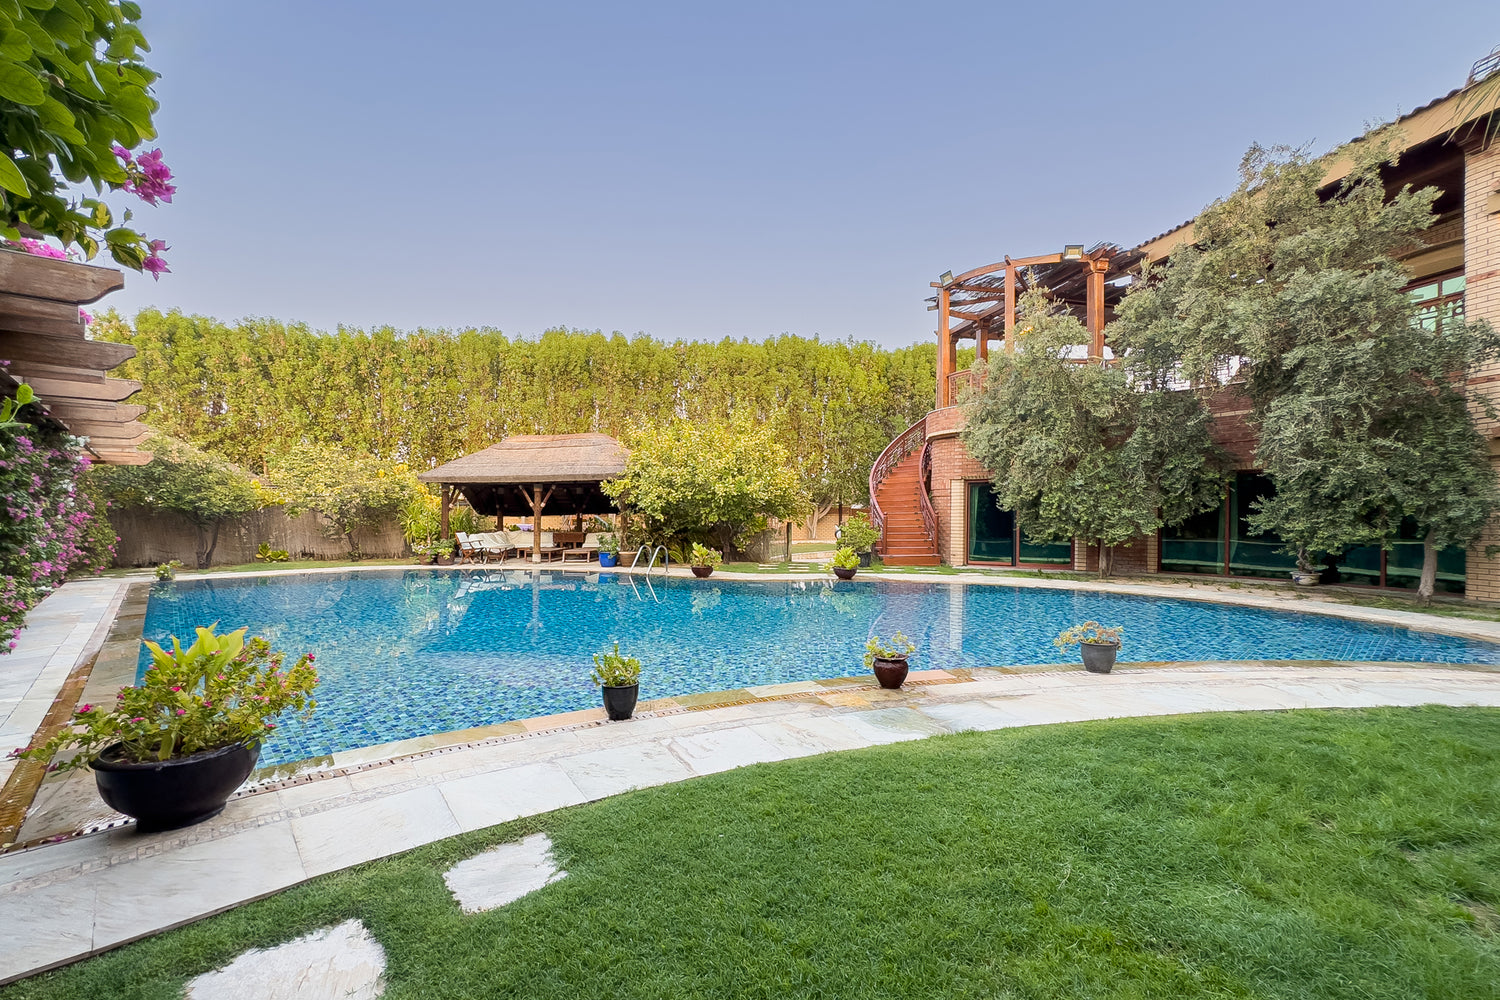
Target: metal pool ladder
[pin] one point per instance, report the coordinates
(665, 558)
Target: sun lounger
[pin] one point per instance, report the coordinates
(588, 550)
(491, 544)
(467, 550)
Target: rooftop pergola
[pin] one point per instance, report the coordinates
(980, 305)
(46, 342)
(559, 473)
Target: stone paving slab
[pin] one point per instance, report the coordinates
(503, 874)
(344, 961)
(60, 902)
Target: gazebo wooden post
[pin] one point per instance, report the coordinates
(538, 503)
(446, 491)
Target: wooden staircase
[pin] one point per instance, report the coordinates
(899, 496)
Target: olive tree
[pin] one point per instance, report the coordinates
(1083, 450)
(1292, 295)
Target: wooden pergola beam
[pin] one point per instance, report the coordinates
(63, 351)
(60, 390)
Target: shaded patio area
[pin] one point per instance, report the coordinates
(532, 474)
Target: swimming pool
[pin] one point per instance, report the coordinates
(406, 653)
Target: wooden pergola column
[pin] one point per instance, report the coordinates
(1010, 308)
(446, 492)
(1095, 308)
(947, 351)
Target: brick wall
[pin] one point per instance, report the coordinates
(1229, 429)
(952, 468)
(1482, 301)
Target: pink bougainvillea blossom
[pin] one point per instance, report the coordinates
(39, 249)
(148, 178)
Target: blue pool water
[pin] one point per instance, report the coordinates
(411, 653)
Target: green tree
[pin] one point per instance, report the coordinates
(1080, 450)
(351, 491)
(203, 488)
(714, 480)
(72, 88)
(1292, 296)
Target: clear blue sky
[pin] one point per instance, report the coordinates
(703, 170)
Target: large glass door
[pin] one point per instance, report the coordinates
(995, 538)
(992, 531)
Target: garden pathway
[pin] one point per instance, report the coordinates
(62, 901)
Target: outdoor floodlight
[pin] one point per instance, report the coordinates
(1073, 251)
(946, 278)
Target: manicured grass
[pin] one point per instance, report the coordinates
(1305, 854)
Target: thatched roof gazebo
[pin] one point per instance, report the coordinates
(531, 472)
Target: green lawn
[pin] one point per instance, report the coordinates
(1288, 855)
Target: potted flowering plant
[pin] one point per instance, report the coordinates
(703, 559)
(609, 550)
(889, 661)
(176, 745)
(1099, 644)
(844, 563)
(619, 678)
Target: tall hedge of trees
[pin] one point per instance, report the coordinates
(253, 390)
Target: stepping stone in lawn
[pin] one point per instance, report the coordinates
(503, 874)
(344, 961)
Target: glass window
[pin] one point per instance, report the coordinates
(1438, 301)
(1196, 545)
(1403, 564)
(1050, 553)
(1252, 554)
(991, 530)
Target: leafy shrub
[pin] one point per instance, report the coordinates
(613, 670)
(899, 649)
(267, 554)
(858, 533)
(1089, 632)
(702, 555)
(844, 558)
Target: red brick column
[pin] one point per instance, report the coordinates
(1482, 301)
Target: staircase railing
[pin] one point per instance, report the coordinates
(924, 489)
(904, 444)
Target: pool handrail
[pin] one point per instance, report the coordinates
(666, 558)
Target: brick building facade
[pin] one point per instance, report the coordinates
(1458, 262)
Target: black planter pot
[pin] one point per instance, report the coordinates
(702, 571)
(843, 574)
(1099, 657)
(864, 559)
(890, 673)
(165, 795)
(619, 702)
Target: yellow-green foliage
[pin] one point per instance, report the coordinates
(253, 389)
(693, 477)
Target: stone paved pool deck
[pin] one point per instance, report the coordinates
(82, 894)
